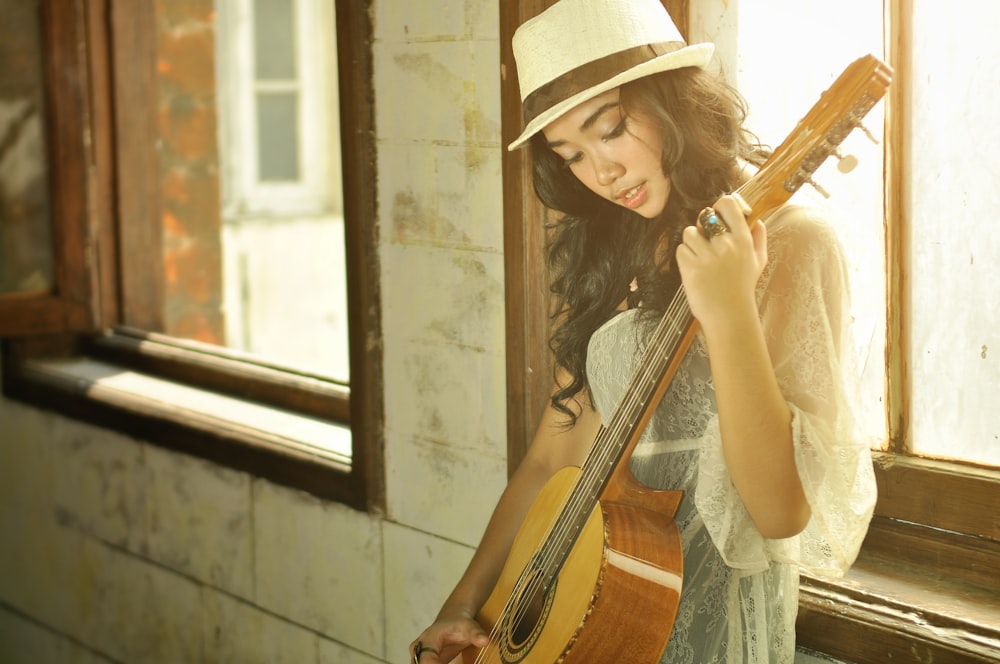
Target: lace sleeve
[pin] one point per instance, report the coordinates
(803, 296)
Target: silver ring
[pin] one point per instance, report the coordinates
(711, 223)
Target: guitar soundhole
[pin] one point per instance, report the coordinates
(524, 623)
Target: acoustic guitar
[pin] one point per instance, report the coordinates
(595, 572)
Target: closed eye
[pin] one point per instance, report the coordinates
(569, 161)
(618, 130)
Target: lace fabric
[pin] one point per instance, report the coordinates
(741, 590)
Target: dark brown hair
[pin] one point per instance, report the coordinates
(597, 247)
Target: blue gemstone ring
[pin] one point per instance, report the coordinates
(711, 223)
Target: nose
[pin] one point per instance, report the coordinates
(607, 171)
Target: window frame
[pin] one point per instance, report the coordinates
(81, 298)
(112, 201)
(933, 528)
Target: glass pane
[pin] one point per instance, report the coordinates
(782, 75)
(955, 260)
(278, 137)
(26, 251)
(254, 258)
(274, 39)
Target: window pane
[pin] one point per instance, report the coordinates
(782, 74)
(277, 137)
(254, 253)
(26, 252)
(955, 261)
(274, 39)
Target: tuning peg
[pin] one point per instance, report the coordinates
(871, 137)
(845, 164)
(818, 188)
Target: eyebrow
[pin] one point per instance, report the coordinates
(591, 119)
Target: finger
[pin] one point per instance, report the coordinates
(693, 239)
(744, 206)
(731, 209)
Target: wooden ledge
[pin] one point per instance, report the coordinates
(883, 611)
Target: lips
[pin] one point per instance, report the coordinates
(633, 197)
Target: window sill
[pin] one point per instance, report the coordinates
(277, 444)
(885, 611)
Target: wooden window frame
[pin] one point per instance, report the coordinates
(925, 586)
(100, 73)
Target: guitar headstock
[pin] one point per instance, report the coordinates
(817, 135)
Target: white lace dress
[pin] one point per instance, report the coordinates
(740, 594)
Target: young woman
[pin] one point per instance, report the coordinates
(631, 138)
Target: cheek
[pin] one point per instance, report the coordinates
(586, 176)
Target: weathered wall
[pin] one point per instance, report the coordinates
(116, 550)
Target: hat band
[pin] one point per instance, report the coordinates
(590, 74)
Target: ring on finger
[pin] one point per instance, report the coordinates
(711, 223)
(419, 650)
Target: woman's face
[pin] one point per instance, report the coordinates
(616, 157)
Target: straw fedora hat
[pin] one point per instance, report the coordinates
(578, 49)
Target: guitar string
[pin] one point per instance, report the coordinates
(660, 350)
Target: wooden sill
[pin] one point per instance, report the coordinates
(281, 445)
(887, 611)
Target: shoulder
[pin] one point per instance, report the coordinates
(803, 245)
(799, 225)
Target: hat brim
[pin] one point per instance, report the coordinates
(696, 55)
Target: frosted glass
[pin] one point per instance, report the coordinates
(955, 261)
(782, 71)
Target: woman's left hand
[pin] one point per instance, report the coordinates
(720, 273)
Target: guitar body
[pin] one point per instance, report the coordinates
(616, 596)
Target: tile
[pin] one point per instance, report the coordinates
(331, 652)
(457, 83)
(448, 395)
(199, 520)
(143, 612)
(470, 196)
(45, 576)
(237, 632)
(444, 195)
(26, 461)
(437, 489)
(26, 641)
(319, 564)
(444, 295)
(405, 20)
(99, 484)
(421, 571)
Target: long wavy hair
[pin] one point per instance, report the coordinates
(597, 248)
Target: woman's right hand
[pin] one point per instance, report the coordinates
(454, 630)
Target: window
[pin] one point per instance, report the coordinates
(282, 201)
(170, 297)
(924, 587)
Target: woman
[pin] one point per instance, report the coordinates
(631, 138)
